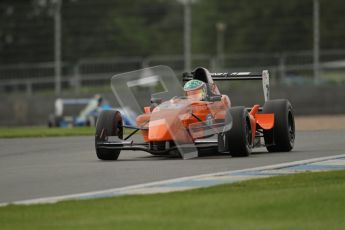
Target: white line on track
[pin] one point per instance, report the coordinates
(163, 186)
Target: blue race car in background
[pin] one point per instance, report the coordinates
(65, 114)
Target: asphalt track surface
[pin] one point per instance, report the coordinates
(41, 167)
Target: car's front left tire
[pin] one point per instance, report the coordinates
(239, 138)
(282, 137)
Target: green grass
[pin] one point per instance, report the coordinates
(19, 132)
(300, 201)
(14, 132)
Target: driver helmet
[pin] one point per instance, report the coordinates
(195, 89)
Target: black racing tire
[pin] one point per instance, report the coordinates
(282, 137)
(109, 123)
(239, 138)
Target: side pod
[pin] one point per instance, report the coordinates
(265, 120)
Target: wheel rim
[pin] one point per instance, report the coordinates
(291, 129)
(120, 131)
(248, 132)
(117, 126)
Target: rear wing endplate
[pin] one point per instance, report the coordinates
(264, 76)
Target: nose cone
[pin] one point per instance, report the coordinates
(162, 125)
(159, 130)
(165, 124)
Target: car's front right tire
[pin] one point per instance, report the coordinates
(109, 123)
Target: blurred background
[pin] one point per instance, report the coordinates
(71, 48)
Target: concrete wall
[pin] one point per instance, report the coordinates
(306, 100)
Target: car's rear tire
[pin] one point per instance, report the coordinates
(109, 123)
(239, 138)
(282, 137)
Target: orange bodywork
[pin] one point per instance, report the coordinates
(264, 120)
(161, 123)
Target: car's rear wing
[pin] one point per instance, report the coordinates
(264, 76)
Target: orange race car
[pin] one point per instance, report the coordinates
(200, 119)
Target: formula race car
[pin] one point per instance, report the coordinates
(196, 118)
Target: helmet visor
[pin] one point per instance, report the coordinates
(197, 94)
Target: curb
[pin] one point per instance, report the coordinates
(336, 162)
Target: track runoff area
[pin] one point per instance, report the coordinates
(206, 180)
(328, 163)
(37, 171)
